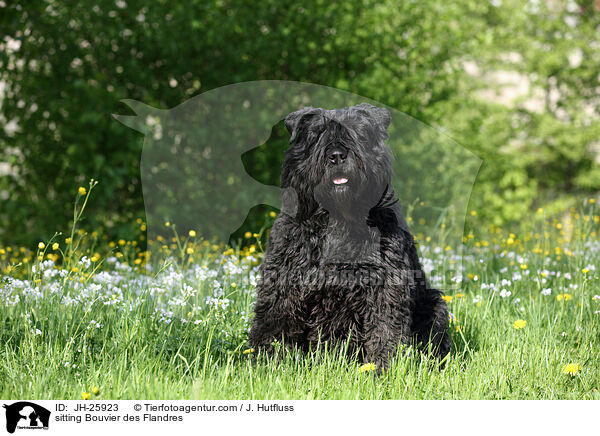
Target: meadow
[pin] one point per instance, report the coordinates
(85, 317)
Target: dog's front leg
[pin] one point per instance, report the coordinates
(276, 319)
(386, 324)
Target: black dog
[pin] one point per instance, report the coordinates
(341, 264)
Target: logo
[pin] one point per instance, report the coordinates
(26, 415)
(208, 163)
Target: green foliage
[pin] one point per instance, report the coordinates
(540, 145)
(75, 61)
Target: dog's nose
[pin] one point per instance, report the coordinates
(337, 155)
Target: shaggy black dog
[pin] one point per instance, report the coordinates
(341, 264)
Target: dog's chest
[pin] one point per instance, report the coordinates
(334, 260)
(349, 246)
(309, 259)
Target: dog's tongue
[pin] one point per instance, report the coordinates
(340, 181)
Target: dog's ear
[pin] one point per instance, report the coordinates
(380, 115)
(294, 121)
(289, 201)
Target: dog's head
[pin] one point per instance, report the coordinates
(337, 160)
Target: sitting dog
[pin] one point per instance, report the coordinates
(341, 264)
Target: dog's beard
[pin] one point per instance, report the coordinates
(347, 195)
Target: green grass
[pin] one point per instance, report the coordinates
(491, 360)
(160, 340)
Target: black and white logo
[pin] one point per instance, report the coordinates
(26, 415)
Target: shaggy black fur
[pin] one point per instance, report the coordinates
(341, 264)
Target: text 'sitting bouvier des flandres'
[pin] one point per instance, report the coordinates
(341, 264)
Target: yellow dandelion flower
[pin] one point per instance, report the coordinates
(55, 246)
(592, 200)
(367, 367)
(523, 266)
(519, 324)
(189, 250)
(447, 298)
(564, 297)
(167, 224)
(41, 245)
(234, 284)
(473, 213)
(82, 190)
(585, 270)
(192, 233)
(95, 390)
(248, 235)
(86, 395)
(571, 369)
(248, 351)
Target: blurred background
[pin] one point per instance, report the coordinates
(515, 82)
